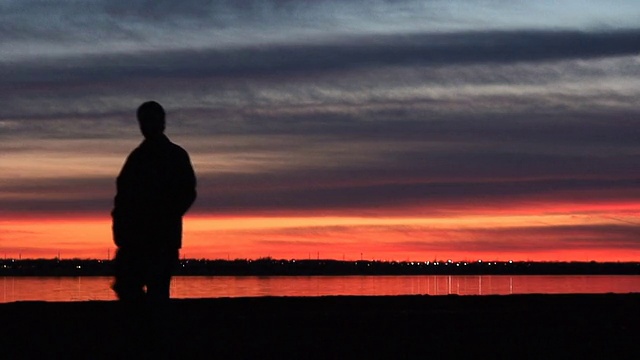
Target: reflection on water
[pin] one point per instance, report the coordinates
(97, 288)
(56, 288)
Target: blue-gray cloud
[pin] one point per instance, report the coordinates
(350, 54)
(123, 25)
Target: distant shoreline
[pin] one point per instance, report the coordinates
(274, 267)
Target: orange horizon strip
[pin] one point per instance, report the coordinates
(248, 237)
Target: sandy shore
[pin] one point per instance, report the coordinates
(398, 327)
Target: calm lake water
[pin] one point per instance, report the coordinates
(97, 288)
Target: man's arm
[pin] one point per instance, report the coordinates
(124, 188)
(122, 225)
(188, 185)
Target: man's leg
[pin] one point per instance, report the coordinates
(163, 264)
(129, 282)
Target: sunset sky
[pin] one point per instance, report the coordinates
(391, 130)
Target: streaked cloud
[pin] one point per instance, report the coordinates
(36, 28)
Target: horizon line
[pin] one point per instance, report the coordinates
(418, 262)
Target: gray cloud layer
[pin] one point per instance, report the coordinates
(362, 121)
(347, 55)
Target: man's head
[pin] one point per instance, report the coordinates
(151, 119)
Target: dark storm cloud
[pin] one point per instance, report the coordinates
(534, 127)
(105, 88)
(408, 122)
(528, 239)
(56, 207)
(348, 54)
(328, 190)
(212, 13)
(498, 241)
(431, 197)
(56, 196)
(157, 11)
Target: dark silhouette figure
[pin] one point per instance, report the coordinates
(155, 189)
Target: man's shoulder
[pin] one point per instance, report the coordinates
(153, 149)
(177, 149)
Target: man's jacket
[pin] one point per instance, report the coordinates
(155, 188)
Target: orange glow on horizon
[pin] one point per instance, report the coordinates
(546, 236)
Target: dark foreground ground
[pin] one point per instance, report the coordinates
(398, 327)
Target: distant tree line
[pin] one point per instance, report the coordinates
(274, 267)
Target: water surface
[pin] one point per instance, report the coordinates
(97, 288)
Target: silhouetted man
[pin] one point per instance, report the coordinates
(155, 189)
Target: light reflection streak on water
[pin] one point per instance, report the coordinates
(98, 288)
